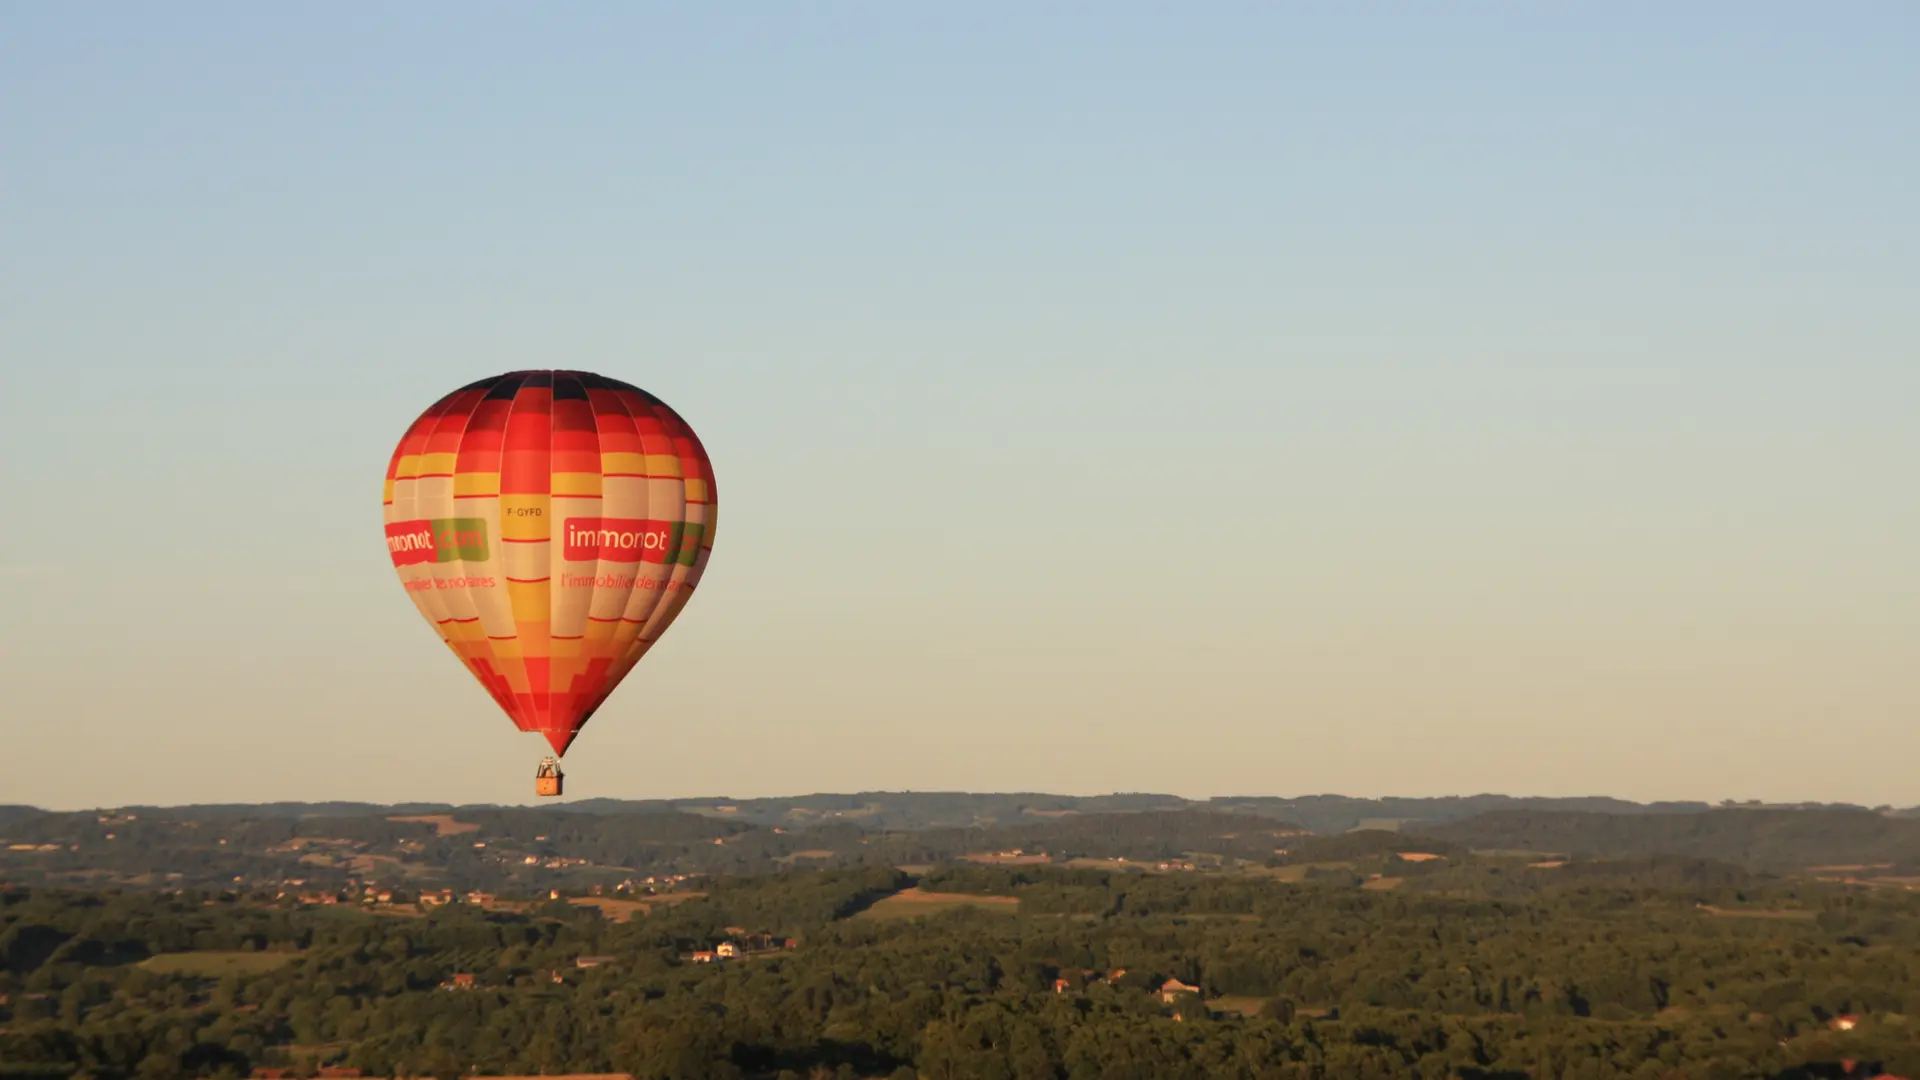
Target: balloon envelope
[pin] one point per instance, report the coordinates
(550, 525)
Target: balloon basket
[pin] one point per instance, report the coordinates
(547, 778)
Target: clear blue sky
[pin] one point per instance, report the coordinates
(1255, 399)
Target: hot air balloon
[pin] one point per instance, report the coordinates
(550, 526)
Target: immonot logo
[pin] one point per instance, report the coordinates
(437, 540)
(631, 540)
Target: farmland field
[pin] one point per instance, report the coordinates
(621, 910)
(793, 859)
(1758, 913)
(910, 903)
(1299, 871)
(217, 964)
(443, 824)
(1113, 864)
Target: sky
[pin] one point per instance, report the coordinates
(1243, 399)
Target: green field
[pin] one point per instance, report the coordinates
(1297, 871)
(910, 903)
(1244, 1006)
(216, 964)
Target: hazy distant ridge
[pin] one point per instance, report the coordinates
(905, 810)
(1756, 837)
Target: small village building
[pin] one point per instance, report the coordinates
(1173, 988)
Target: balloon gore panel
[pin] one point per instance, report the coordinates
(550, 525)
